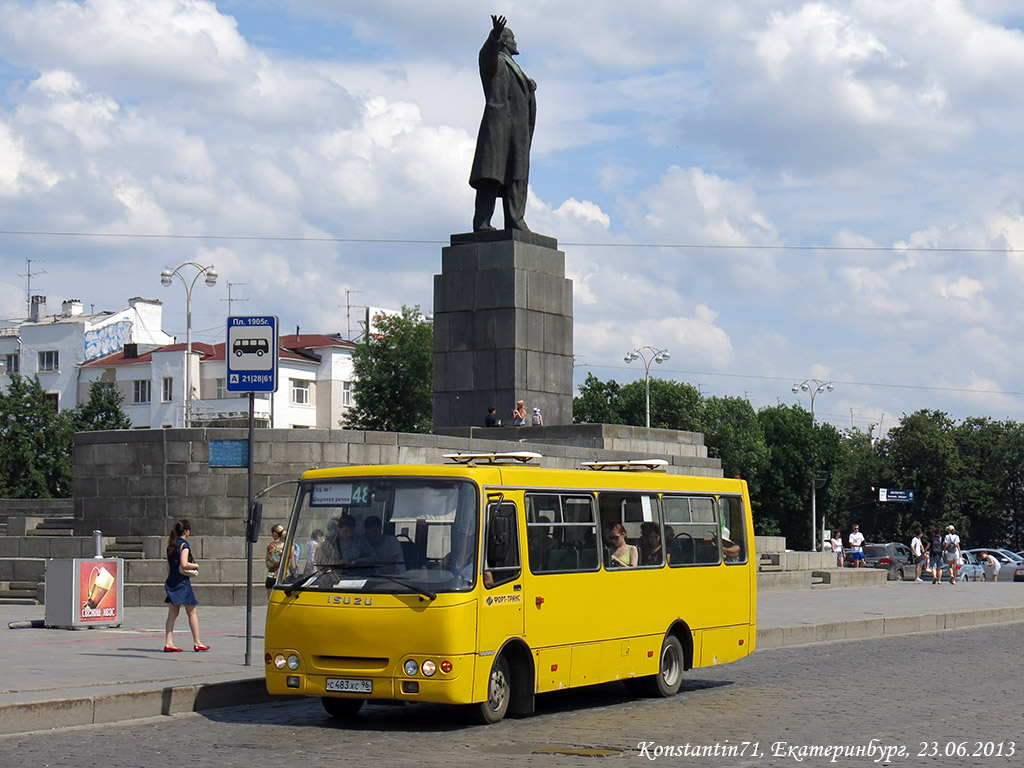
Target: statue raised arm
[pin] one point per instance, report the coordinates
(501, 165)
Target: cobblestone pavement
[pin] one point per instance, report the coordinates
(925, 694)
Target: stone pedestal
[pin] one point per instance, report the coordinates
(502, 329)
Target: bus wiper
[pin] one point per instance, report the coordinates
(323, 568)
(425, 592)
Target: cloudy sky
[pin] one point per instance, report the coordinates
(773, 191)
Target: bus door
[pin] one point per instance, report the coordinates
(501, 602)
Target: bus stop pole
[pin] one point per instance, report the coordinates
(250, 523)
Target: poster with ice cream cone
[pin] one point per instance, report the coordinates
(98, 592)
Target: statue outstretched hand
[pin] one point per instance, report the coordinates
(499, 25)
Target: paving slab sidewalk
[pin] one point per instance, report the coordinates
(56, 678)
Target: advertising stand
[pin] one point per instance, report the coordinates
(84, 592)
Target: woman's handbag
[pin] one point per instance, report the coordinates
(190, 568)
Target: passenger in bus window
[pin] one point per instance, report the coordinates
(340, 547)
(730, 549)
(650, 544)
(621, 552)
(381, 549)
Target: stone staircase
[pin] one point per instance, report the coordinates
(782, 569)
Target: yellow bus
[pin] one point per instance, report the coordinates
(491, 579)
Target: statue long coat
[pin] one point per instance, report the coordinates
(506, 129)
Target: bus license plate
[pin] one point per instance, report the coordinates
(349, 686)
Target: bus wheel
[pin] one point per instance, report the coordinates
(499, 691)
(342, 709)
(670, 676)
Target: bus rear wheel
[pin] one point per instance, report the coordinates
(670, 673)
(499, 692)
(342, 709)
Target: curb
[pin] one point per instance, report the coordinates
(862, 629)
(132, 705)
(24, 717)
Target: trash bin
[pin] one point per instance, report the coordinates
(84, 592)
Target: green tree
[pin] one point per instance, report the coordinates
(860, 468)
(35, 443)
(733, 434)
(394, 390)
(102, 410)
(922, 455)
(597, 403)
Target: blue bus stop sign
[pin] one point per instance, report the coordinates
(251, 353)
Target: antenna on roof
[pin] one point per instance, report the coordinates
(230, 299)
(29, 274)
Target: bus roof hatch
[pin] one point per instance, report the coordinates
(493, 458)
(651, 465)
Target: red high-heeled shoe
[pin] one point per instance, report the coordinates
(200, 647)
(172, 649)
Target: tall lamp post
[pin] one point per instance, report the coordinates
(815, 387)
(648, 355)
(166, 278)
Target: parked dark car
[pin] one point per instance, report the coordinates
(896, 558)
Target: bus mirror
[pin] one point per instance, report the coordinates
(252, 525)
(498, 539)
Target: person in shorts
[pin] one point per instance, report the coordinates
(920, 556)
(951, 552)
(856, 541)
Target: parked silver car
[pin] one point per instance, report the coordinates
(1011, 564)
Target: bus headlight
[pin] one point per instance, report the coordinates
(411, 667)
(280, 661)
(293, 661)
(429, 668)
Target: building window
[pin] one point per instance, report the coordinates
(168, 389)
(143, 389)
(49, 361)
(53, 398)
(12, 363)
(300, 391)
(347, 398)
(222, 389)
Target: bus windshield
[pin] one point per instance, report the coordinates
(380, 535)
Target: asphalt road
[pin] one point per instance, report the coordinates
(945, 699)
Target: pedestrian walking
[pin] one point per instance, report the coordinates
(951, 552)
(180, 568)
(935, 556)
(920, 557)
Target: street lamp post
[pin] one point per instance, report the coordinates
(814, 387)
(648, 355)
(165, 280)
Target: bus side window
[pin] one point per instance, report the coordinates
(734, 529)
(691, 530)
(501, 558)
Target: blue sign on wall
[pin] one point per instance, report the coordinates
(251, 353)
(229, 453)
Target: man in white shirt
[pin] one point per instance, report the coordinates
(917, 547)
(857, 546)
(951, 551)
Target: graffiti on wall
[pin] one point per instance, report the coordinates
(108, 339)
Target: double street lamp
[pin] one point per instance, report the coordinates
(815, 387)
(648, 355)
(166, 278)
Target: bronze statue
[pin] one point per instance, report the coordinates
(501, 165)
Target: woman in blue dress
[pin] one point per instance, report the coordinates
(179, 588)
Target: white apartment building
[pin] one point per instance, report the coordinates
(315, 380)
(54, 347)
